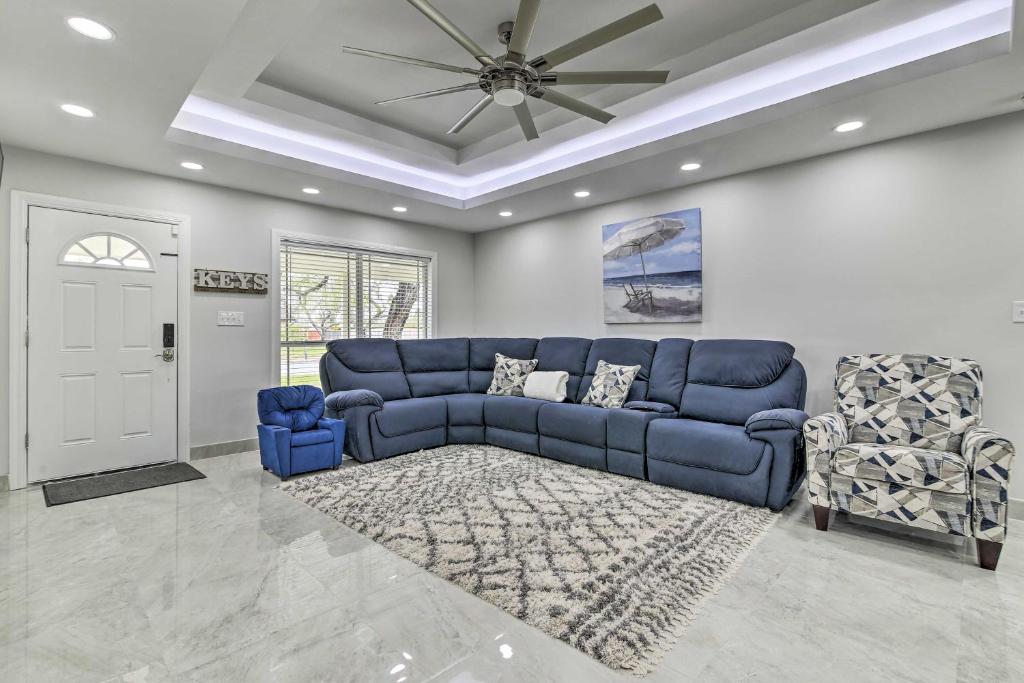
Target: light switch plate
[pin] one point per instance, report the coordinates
(1018, 311)
(230, 318)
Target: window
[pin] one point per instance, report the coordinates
(106, 250)
(332, 292)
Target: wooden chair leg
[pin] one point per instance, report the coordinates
(988, 553)
(821, 517)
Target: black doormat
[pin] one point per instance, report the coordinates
(74, 490)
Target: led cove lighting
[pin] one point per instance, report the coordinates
(581, 194)
(504, 214)
(399, 209)
(311, 190)
(849, 126)
(689, 167)
(90, 29)
(192, 166)
(77, 110)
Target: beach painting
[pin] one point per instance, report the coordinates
(652, 269)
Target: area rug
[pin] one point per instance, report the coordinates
(614, 566)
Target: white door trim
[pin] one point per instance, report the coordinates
(18, 358)
(278, 236)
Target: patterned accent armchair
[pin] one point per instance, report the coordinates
(905, 444)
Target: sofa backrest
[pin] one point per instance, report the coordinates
(481, 357)
(728, 380)
(435, 366)
(564, 353)
(620, 351)
(372, 364)
(668, 371)
(909, 400)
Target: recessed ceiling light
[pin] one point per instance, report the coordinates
(693, 166)
(581, 194)
(311, 190)
(849, 126)
(504, 214)
(399, 209)
(192, 166)
(90, 28)
(77, 110)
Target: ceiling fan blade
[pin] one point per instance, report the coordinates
(572, 104)
(526, 121)
(526, 19)
(454, 31)
(604, 77)
(471, 114)
(409, 60)
(433, 93)
(595, 39)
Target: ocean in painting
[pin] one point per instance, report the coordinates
(653, 269)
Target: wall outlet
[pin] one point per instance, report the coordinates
(1018, 311)
(230, 319)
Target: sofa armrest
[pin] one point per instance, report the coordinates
(823, 436)
(989, 454)
(337, 427)
(276, 449)
(778, 418)
(651, 407)
(340, 401)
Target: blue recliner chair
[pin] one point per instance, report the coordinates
(294, 435)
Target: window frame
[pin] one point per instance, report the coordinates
(279, 237)
(119, 266)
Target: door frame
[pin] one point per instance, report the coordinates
(21, 201)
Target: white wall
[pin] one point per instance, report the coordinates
(230, 230)
(914, 245)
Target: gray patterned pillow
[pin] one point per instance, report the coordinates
(611, 385)
(510, 375)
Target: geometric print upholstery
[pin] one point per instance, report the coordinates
(990, 456)
(917, 467)
(909, 400)
(948, 513)
(611, 385)
(510, 375)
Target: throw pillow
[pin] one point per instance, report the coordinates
(510, 375)
(611, 385)
(549, 386)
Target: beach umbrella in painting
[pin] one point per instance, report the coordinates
(645, 234)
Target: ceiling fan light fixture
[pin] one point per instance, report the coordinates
(511, 96)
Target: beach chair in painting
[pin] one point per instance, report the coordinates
(638, 296)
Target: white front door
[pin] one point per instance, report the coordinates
(102, 310)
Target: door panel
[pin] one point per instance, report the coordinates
(101, 396)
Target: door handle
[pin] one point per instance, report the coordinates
(167, 355)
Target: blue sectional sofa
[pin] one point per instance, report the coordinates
(721, 417)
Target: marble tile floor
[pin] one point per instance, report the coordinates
(229, 579)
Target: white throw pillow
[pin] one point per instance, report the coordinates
(549, 386)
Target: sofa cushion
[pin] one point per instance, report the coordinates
(572, 422)
(311, 436)
(668, 371)
(619, 351)
(465, 410)
(411, 415)
(914, 467)
(514, 413)
(720, 447)
(372, 364)
(565, 353)
(610, 385)
(296, 408)
(435, 366)
(481, 357)
(738, 362)
(510, 375)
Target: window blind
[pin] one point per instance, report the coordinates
(333, 292)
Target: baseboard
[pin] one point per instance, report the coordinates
(1016, 510)
(5, 483)
(226, 448)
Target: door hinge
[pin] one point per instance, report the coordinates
(26, 339)
(27, 227)
(26, 441)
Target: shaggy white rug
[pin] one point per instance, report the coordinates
(613, 566)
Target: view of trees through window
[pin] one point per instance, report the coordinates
(335, 293)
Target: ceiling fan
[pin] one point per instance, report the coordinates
(508, 80)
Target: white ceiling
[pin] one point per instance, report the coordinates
(270, 104)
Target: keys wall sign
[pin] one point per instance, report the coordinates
(229, 281)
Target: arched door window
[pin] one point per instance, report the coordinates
(106, 250)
